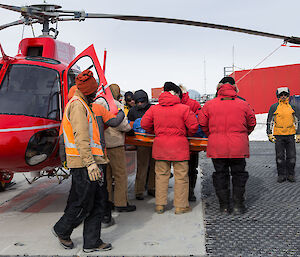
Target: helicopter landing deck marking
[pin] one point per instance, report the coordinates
(43, 203)
(28, 198)
(30, 128)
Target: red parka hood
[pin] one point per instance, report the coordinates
(185, 98)
(227, 90)
(193, 104)
(167, 99)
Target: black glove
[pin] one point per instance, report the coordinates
(130, 133)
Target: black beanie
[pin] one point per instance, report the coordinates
(227, 79)
(127, 95)
(170, 86)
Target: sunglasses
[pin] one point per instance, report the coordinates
(283, 94)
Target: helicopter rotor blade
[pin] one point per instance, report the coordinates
(18, 22)
(83, 15)
(30, 11)
(25, 10)
(11, 8)
(43, 14)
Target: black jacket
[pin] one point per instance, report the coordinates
(138, 111)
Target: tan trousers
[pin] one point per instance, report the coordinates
(144, 161)
(181, 188)
(117, 169)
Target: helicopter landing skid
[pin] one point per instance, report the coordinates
(60, 173)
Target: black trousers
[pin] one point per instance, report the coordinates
(285, 155)
(224, 167)
(87, 202)
(193, 165)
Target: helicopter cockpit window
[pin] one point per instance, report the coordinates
(82, 64)
(42, 59)
(30, 90)
(71, 77)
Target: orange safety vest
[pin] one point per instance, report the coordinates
(94, 133)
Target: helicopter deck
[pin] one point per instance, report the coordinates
(269, 228)
(27, 213)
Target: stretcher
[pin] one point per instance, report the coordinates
(197, 144)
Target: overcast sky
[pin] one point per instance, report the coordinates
(145, 55)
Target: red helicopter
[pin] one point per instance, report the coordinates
(34, 89)
(34, 86)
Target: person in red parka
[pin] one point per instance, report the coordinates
(171, 122)
(185, 99)
(228, 120)
(194, 156)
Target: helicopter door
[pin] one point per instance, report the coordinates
(88, 60)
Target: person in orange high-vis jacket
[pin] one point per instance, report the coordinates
(87, 162)
(104, 119)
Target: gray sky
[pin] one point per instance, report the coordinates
(145, 55)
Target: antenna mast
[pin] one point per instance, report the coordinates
(233, 73)
(204, 76)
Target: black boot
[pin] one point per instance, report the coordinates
(151, 192)
(239, 209)
(239, 206)
(139, 197)
(281, 178)
(291, 178)
(127, 208)
(239, 180)
(221, 182)
(223, 196)
(108, 220)
(192, 197)
(192, 184)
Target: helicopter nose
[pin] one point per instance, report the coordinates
(30, 147)
(12, 147)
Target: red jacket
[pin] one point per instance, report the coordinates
(193, 104)
(170, 121)
(227, 120)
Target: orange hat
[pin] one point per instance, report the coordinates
(86, 83)
(72, 92)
